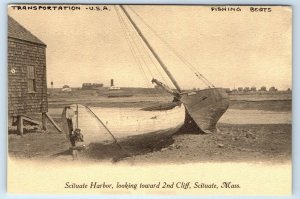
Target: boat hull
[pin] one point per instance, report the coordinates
(205, 107)
(124, 123)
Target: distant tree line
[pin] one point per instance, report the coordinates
(253, 89)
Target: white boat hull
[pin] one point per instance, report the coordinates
(124, 123)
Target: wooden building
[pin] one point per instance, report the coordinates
(27, 85)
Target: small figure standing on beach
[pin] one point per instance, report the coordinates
(75, 134)
(69, 115)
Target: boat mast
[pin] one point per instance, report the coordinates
(152, 50)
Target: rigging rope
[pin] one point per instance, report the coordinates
(132, 49)
(142, 45)
(155, 64)
(150, 57)
(133, 40)
(152, 60)
(190, 66)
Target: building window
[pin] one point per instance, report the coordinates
(31, 79)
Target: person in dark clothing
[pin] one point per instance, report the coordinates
(69, 116)
(74, 134)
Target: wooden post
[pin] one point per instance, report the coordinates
(53, 122)
(77, 115)
(75, 154)
(20, 126)
(44, 121)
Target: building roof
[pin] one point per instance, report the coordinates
(17, 31)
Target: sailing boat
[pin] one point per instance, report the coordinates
(200, 109)
(204, 107)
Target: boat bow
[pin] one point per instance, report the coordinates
(205, 107)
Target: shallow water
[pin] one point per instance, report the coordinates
(235, 116)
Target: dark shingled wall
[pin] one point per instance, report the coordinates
(22, 53)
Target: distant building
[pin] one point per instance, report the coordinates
(240, 89)
(111, 82)
(66, 88)
(91, 86)
(112, 86)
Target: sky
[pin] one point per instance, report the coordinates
(229, 48)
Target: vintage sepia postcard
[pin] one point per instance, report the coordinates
(149, 99)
